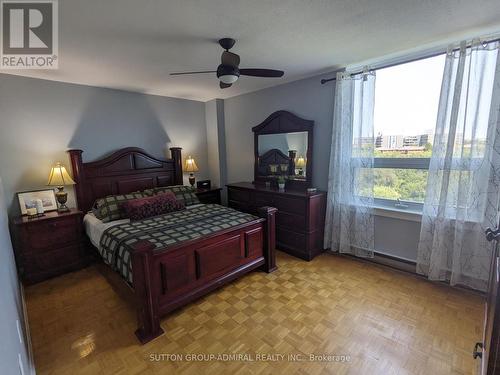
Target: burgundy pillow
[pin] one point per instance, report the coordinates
(142, 208)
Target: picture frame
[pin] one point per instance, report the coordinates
(26, 199)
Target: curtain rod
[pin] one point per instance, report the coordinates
(434, 54)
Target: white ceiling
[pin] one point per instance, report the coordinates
(134, 45)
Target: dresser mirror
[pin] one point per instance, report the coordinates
(283, 150)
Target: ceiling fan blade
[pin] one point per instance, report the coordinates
(223, 85)
(261, 72)
(230, 59)
(201, 72)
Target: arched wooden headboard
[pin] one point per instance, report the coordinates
(126, 170)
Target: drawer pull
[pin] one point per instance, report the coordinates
(52, 225)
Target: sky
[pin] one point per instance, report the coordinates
(407, 97)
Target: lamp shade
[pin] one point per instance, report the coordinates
(59, 176)
(301, 162)
(190, 165)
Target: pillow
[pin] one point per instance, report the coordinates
(148, 192)
(142, 208)
(109, 208)
(185, 194)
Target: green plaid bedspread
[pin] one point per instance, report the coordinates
(165, 230)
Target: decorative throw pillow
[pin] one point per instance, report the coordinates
(143, 208)
(186, 194)
(148, 192)
(109, 208)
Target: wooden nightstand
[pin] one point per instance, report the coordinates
(49, 246)
(211, 195)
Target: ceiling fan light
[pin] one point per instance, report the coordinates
(228, 78)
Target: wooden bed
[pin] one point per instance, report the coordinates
(166, 279)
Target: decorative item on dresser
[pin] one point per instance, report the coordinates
(299, 220)
(166, 277)
(49, 245)
(210, 195)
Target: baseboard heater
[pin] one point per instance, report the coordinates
(386, 260)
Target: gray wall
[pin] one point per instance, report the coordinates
(309, 99)
(306, 98)
(12, 351)
(41, 119)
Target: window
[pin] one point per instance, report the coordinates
(406, 106)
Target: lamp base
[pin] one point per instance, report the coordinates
(192, 180)
(63, 208)
(62, 198)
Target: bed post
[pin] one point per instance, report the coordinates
(177, 157)
(147, 300)
(77, 169)
(269, 213)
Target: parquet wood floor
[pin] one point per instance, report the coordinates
(385, 321)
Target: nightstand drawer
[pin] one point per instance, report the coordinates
(209, 195)
(51, 234)
(41, 266)
(209, 198)
(54, 259)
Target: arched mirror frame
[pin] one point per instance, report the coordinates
(281, 122)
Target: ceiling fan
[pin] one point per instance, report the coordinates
(229, 71)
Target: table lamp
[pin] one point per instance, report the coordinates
(59, 177)
(300, 164)
(191, 167)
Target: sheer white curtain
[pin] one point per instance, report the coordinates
(462, 196)
(349, 226)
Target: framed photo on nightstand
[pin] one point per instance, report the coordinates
(27, 199)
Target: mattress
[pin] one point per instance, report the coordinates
(95, 227)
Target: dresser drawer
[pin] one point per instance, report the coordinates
(291, 205)
(292, 221)
(53, 233)
(291, 240)
(261, 200)
(239, 195)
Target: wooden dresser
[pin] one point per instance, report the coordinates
(49, 246)
(300, 217)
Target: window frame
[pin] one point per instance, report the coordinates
(400, 163)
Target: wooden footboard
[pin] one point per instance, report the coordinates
(166, 280)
